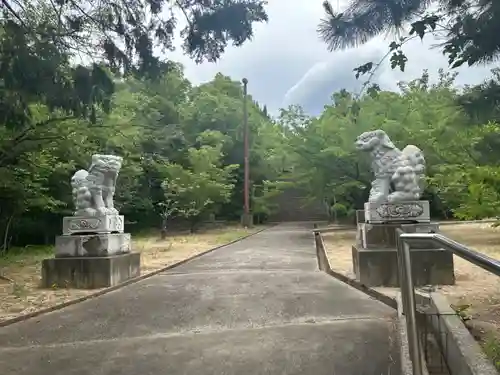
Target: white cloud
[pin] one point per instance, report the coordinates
(287, 63)
(324, 78)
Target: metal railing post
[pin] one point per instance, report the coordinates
(399, 247)
(404, 241)
(409, 308)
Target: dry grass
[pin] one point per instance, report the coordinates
(157, 253)
(338, 246)
(477, 287)
(20, 273)
(474, 286)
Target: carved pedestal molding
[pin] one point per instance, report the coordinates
(414, 211)
(93, 224)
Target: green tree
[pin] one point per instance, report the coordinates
(263, 199)
(218, 105)
(124, 33)
(62, 55)
(467, 27)
(204, 184)
(461, 164)
(482, 102)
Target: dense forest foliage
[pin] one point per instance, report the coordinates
(182, 144)
(456, 129)
(82, 77)
(183, 151)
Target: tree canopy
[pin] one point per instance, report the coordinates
(457, 138)
(61, 53)
(182, 143)
(183, 152)
(182, 147)
(88, 76)
(467, 27)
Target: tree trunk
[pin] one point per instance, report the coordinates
(6, 234)
(194, 221)
(328, 209)
(163, 231)
(334, 210)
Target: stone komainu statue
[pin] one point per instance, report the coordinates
(93, 190)
(399, 175)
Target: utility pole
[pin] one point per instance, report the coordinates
(247, 219)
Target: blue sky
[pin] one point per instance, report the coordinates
(286, 62)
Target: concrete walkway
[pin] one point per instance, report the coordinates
(259, 306)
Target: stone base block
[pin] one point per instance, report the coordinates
(94, 245)
(412, 211)
(93, 224)
(384, 235)
(247, 220)
(90, 272)
(379, 267)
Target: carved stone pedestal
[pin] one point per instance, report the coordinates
(384, 235)
(92, 253)
(90, 272)
(82, 245)
(93, 224)
(379, 267)
(374, 256)
(413, 211)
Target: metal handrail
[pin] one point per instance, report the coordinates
(404, 241)
(481, 260)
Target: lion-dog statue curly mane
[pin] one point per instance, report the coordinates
(399, 175)
(93, 190)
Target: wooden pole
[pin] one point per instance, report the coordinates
(247, 222)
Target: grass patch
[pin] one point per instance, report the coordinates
(491, 347)
(338, 247)
(23, 255)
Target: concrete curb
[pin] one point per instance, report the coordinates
(62, 305)
(324, 265)
(402, 337)
(463, 353)
(486, 221)
(338, 228)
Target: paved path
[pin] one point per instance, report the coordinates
(259, 306)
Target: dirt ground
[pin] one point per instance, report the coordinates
(20, 273)
(474, 286)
